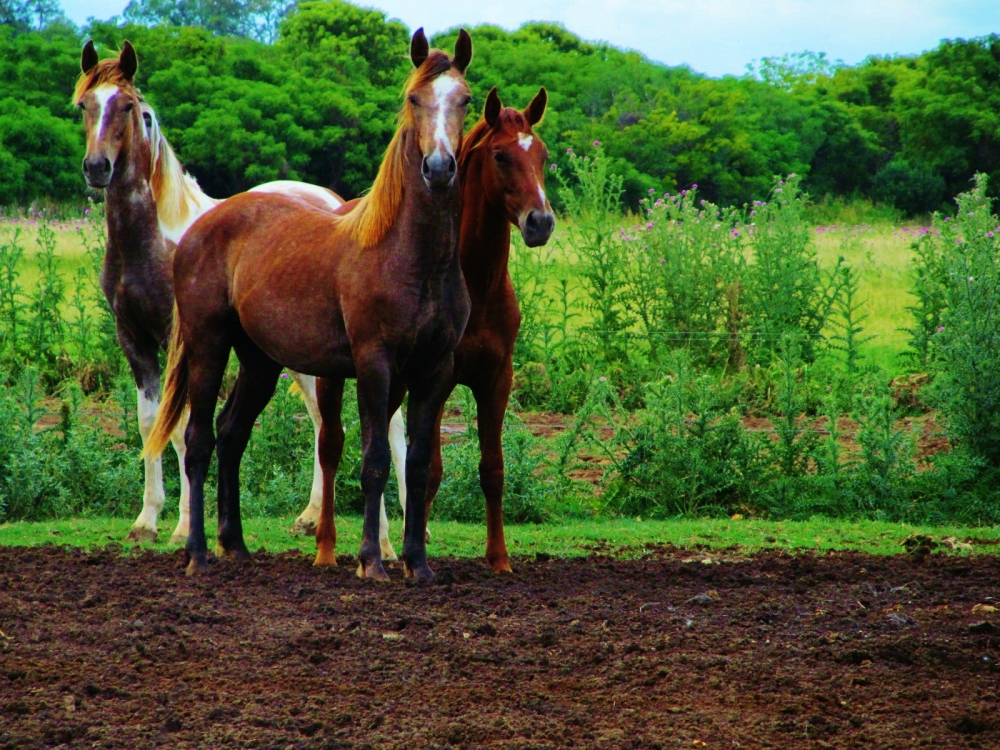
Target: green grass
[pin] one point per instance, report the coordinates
(881, 254)
(626, 537)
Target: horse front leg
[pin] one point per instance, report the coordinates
(329, 449)
(373, 409)
(491, 401)
(142, 360)
(427, 397)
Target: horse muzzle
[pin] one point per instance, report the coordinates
(97, 170)
(537, 227)
(439, 170)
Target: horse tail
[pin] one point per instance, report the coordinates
(175, 394)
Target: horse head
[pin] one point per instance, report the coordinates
(513, 160)
(106, 94)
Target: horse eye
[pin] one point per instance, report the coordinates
(81, 105)
(413, 100)
(467, 101)
(499, 157)
(128, 107)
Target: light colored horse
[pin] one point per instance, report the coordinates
(158, 186)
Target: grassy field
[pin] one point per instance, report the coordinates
(625, 537)
(881, 253)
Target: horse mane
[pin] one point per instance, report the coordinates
(106, 71)
(375, 213)
(512, 122)
(177, 194)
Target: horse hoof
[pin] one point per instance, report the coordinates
(372, 570)
(388, 553)
(501, 566)
(325, 559)
(197, 566)
(140, 534)
(303, 527)
(179, 536)
(419, 572)
(239, 554)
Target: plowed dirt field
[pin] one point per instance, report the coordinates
(676, 649)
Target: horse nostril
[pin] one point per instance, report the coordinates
(425, 169)
(452, 167)
(106, 165)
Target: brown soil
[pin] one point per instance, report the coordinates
(671, 650)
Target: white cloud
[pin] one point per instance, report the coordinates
(712, 36)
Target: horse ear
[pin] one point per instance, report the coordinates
(419, 48)
(535, 111)
(89, 57)
(491, 112)
(463, 52)
(128, 63)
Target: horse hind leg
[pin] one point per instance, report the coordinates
(206, 362)
(308, 519)
(184, 503)
(252, 392)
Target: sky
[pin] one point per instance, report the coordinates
(716, 37)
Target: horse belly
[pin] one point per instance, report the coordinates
(305, 338)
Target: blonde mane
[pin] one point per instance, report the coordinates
(179, 198)
(376, 212)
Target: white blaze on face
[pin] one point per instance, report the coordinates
(443, 86)
(103, 94)
(541, 193)
(524, 140)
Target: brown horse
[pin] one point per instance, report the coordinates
(375, 294)
(502, 174)
(151, 202)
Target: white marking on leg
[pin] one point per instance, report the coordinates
(524, 140)
(180, 534)
(397, 445)
(153, 496)
(310, 516)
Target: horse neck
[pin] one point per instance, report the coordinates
(428, 221)
(484, 244)
(131, 209)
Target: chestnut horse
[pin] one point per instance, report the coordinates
(502, 177)
(375, 294)
(151, 202)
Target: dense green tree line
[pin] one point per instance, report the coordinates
(319, 104)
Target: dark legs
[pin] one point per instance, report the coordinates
(330, 398)
(254, 388)
(423, 415)
(206, 365)
(373, 403)
(492, 399)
